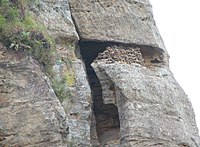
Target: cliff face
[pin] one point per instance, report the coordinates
(31, 114)
(92, 73)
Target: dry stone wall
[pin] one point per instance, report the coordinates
(153, 109)
(121, 54)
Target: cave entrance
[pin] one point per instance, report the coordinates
(107, 126)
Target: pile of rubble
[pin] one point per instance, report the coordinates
(121, 54)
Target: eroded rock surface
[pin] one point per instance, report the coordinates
(30, 113)
(127, 21)
(67, 75)
(80, 112)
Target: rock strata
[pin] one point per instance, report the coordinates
(56, 17)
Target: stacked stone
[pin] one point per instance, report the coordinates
(121, 54)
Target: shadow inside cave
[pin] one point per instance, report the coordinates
(106, 115)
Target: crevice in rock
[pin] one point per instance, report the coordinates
(106, 115)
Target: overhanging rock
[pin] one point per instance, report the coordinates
(127, 21)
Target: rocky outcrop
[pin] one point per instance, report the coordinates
(66, 71)
(56, 17)
(102, 78)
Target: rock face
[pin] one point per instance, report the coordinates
(56, 17)
(31, 114)
(66, 71)
(68, 66)
(108, 82)
(153, 109)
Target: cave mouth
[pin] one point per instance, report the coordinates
(106, 115)
(152, 56)
(106, 122)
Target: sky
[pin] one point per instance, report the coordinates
(179, 24)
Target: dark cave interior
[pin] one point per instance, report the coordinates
(106, 115)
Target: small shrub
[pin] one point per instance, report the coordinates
(8, 10)
(61, 89)
(2, 21)
(70, 78)
(28, 22)
(23, 33)
(20, 31)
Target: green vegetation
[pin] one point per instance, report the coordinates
(20, 31)
(70, 144)
(61, 89)
(9, 15)
(64, 80)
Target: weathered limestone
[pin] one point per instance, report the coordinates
(153, 109)
(108, 91)
(30, 113)
(127, 21)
